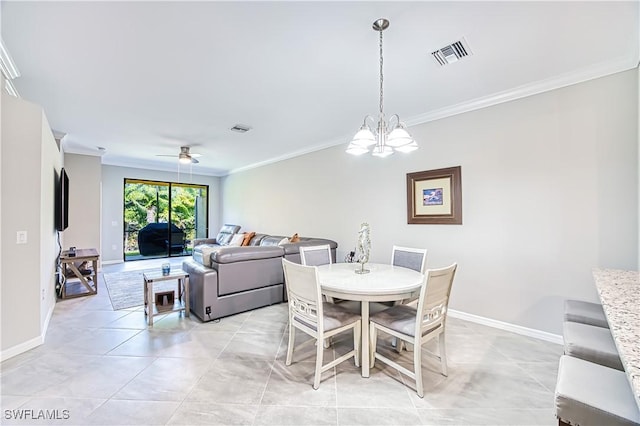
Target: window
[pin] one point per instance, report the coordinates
(162, 219)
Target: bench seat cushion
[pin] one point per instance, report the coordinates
(585, 313)
(590, 394)
(591, 343)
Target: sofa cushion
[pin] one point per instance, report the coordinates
(226, 233)
(256, 240)
(293, 248)
(241, 254)
(271, 240)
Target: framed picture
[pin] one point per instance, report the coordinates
(435, 197)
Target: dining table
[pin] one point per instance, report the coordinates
(383, 283)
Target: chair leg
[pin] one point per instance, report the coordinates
(319, 353)
(443, 354)
(373, 342)
(357, 342)
(417, 369)
(292, 338)
(396, 343)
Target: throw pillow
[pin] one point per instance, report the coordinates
(295, 238)
(236, 240)
(247, 238)
(285, 240)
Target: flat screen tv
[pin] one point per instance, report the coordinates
(62, 201)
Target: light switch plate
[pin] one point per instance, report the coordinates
(21, 237)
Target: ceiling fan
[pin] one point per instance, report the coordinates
(185, 157)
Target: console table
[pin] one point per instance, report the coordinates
(87, 282)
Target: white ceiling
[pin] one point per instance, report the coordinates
(144, 78)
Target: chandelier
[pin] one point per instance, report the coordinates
(385, 138)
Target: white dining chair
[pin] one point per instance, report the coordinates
(417, 325)
(316, 256)
(412, 258)
(320, 320)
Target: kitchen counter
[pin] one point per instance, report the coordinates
(620, 296)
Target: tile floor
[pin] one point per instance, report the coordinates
(100, 366)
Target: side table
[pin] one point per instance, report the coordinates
(180, 304)
(88, 279)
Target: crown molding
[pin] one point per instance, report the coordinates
(557, 82)
(7, 66)
(329, 144)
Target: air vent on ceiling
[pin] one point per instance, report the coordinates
(451, 53)
(241, 128)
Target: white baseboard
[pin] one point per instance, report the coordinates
(30, 344)
(530, 332)
(22, 347)
(111, 262)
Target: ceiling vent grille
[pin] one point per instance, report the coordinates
(451, 53)
(241, 128)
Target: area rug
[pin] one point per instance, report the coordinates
(126, 289)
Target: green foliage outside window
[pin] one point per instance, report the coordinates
(146, 203)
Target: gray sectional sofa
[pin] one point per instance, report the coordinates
(225, 280)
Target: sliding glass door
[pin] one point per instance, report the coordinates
(161, 219)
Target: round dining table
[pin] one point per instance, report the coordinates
(383, 283)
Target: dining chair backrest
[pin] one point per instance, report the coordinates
(316, 255)
(303, 292)
(411, 258)
(434, 297)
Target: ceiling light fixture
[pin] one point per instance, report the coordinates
(385, 138)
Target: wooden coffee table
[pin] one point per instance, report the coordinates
(181, 303)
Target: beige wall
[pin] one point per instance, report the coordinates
(550, 191)
(85, 175)
(112, 210)
(30, 162)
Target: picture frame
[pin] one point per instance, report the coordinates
(435, 197)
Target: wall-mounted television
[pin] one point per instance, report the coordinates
(62, 201)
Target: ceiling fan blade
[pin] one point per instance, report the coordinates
(195, 155)
(193, 160)
(164, 155)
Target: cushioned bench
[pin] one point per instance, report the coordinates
(591, 394)
(585, 313)
(591, 343)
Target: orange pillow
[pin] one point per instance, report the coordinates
(294, 238)
(247, 238)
